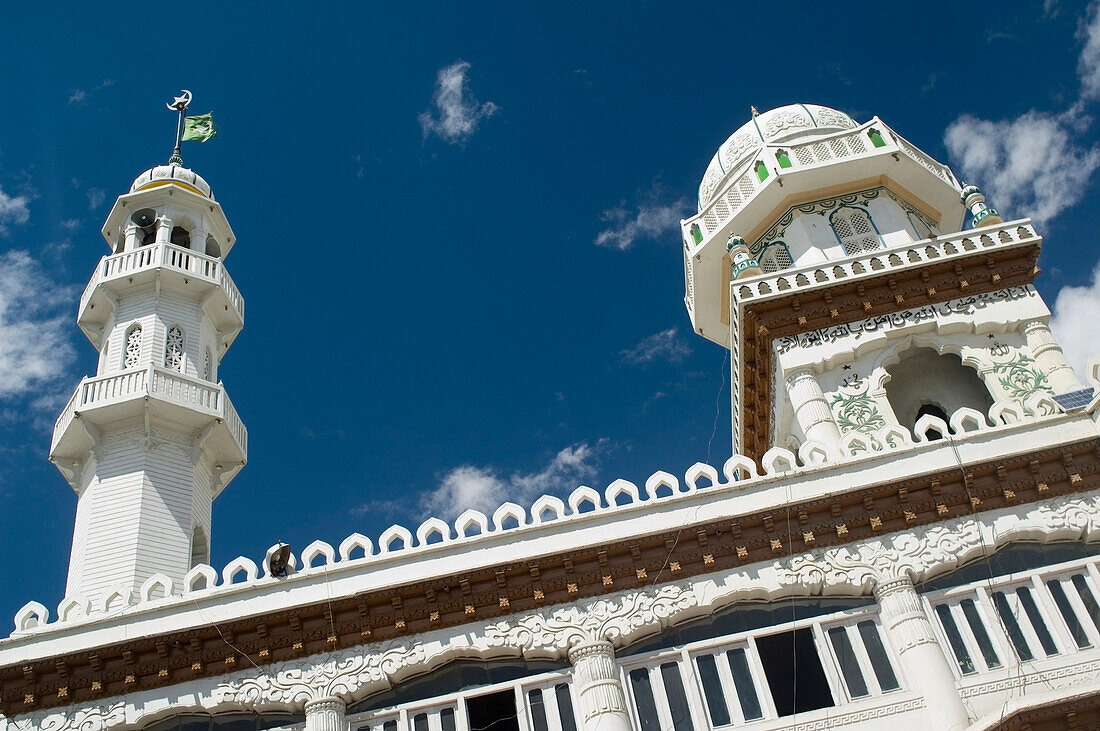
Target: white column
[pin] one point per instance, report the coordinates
(811, 409)
(326, 714)
(596, 680)
(164, 229)
(922, 658)
(198, 240)
(133, 238)
(1050, 358)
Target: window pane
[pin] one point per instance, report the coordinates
(420, 722)
(538, 712)
(880, 661)
(1037, 622)
(978, 628)
(1012, 626)
(1087, 599)
(643, 700)
(794, 673)
(677, 699)
(447, 719)
(849, 665)
(966, 665)
(565, 707)
(1068, 614)
(389, 726)
(742, 681)
(712, 689)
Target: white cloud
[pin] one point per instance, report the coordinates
(1088, 63)
(664, 345)
(650, 220)
(1027, 166)
(79, 97)
(457, 113)
(484, 489)
(35, 351)
(13, 209)
(1074, 322)
(96, 196)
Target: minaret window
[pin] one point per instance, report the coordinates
(208, 365)
(173, 349)
(180, 237)
(855, 230)
(776, 257)
(132, 355)
(925, 382)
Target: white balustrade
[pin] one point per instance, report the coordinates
(168, 256)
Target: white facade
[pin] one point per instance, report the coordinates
(911, 545)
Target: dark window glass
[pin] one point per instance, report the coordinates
(1012, 626)
(880, 661)
(538, 711)
(849, 665)
(495, 711)
(235, 722)
(1087, 599)
(1014, 559)
(193, 724)
(420, 722)
(978, 628)
(677, 699)
(712, 689)
(565, 707)
(643, 700)
(1074, 624)
(742, 682)
(447, 719)
(793, 669)
(966, 665)
(389, 726)
(1037, 622)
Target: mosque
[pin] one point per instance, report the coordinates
(905, 538)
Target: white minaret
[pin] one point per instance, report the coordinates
(152, 438)
(834, 260)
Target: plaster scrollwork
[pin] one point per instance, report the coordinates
(939, 549)
(344, 674)
(617, 620)
(85, 718)
(854, 409)
(1020, 377)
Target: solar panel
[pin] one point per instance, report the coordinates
(1074, 399)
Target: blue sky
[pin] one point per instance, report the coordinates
(457, 228)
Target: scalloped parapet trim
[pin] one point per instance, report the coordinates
(738, 472)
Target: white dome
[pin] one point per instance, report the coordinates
(172, 175)
(776, 125)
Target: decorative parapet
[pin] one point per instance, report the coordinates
(619, 498)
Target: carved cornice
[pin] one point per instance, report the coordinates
(545, 605)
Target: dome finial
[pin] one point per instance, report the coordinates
(755, 111)
(180, 105)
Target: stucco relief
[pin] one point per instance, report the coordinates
(348, 673)
(939, 549)
(87, 718)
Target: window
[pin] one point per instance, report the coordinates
(925, 382)
(496, 711)
(696, 233)
(761, 171)
(793, 668)
(783, 158)
(132, 355)
(173, 349)
(855, 230)
(208, 365)
(180, 237)
(777, 256)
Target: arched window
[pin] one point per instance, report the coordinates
(173, 348)
(855, 230)
(180, 237)
(131, 355)
(925, 382)
(200, 547)
(777, 256)
(212, 247)
(208, 365)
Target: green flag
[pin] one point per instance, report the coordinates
(199, 128)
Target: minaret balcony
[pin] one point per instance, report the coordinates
(150, 397)
(171, 268)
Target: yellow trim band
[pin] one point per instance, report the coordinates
(180, 183)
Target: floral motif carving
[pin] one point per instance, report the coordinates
(1020, 377)
(831, 118)
(603, 619)
(782, 121)
(330, 675)
(93, 718)
(856, 410)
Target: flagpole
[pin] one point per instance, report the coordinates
(180, 105)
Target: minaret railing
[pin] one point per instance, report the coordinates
(165, 256)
